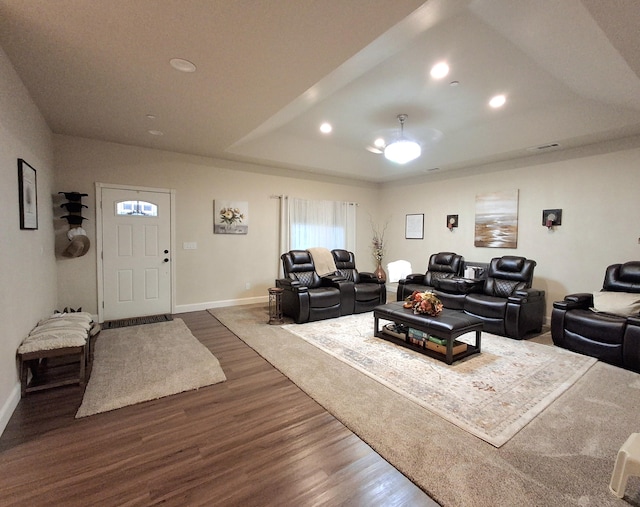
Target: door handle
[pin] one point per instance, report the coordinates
(166, 251)
(166, 260)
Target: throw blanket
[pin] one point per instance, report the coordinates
(323, 261)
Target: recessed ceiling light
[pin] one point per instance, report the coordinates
(326, 128)
(454, 83)
(182, 65)
(156, 132)
(439, 70)
(498, 101)
(151, 116)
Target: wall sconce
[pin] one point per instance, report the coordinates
(452, 221)
(551, 218)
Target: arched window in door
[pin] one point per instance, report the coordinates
(136, 208)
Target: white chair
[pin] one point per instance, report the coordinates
(397, 270)
(627, 464)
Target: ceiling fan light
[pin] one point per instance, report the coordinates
(402, 151)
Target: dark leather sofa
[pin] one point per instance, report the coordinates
(368, 290)
(500, 294)
(612, 338)
(441, 266)
(507, 304)
(309, 297)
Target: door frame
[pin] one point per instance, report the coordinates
(99, 259)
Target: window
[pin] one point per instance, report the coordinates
(136, 208)
(308, 224)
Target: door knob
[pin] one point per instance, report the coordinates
(166, 260)
(166, 251)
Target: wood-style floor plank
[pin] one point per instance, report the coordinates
(254, 440)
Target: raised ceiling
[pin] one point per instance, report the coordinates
(270, 72)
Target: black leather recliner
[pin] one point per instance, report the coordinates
(441, 265)
(369, 290)
(614, 339)
(507, 304)
(308, 297)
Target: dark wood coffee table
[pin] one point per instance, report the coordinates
(448, 325)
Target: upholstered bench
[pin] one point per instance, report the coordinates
(448, 325)
(61, 335)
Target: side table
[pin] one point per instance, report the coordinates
(275, 305)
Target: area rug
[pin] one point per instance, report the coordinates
(563, 457)
(137, 321)
(147, 362)
(492, 395)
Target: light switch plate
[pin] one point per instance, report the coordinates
(189, 245)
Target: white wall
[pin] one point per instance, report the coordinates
(596, 188)
(28, 273)
(217, 272)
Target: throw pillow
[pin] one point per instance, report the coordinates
(624, 304)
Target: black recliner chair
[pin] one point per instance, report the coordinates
(441, 266)
(611, 337)
(369, 290)
(507, 304)
(306, 296)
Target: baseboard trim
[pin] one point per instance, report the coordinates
(197, 307)
(9, 406)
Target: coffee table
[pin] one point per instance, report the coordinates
(448, 325)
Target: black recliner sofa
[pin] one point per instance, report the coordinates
(368, 290)
(507, 304)
(441, 266)
(612, 336)
(306, 296)
(502, 297)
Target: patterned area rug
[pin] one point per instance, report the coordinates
(492, 395)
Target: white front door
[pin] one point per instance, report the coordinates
(136, 253)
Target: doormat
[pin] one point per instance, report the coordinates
(137, 321)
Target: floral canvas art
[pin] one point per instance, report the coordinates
(230, 217)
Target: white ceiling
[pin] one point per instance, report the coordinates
(270, 71)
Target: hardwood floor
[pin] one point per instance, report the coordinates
(254, 440)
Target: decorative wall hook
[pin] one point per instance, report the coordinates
(551, 218)
(452, 221)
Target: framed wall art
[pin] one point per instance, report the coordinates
(28, 193)
(414, 226)
(497, 219)
(230, 217)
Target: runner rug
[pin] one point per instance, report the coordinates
(146, 362)
(491, 395)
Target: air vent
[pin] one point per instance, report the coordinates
(545, 147)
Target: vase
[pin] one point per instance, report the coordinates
(380, 274)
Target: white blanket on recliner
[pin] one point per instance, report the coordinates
(323, 261)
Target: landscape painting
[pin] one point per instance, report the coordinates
(497, 219)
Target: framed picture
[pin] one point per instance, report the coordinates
(414, 226)
(230, 217)
(497, 219)
(28, 193)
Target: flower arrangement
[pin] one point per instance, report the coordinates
(231, 215)
(424, 302)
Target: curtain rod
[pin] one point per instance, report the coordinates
(273, 196)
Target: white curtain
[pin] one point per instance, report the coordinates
(306, 224)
